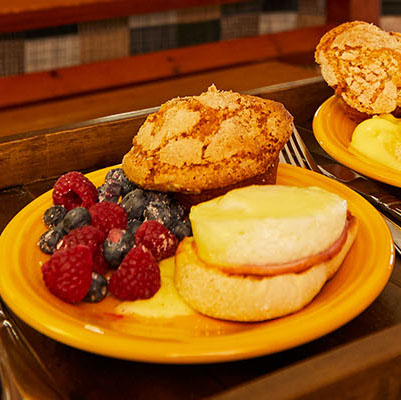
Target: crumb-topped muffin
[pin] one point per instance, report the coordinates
(199, 143)
(362, 63)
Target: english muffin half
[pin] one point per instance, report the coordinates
(262, 252)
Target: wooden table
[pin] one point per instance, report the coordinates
(359, 360)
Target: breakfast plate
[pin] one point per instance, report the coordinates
(333, 130)
(192, 338)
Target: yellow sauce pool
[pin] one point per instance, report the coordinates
(379, 139)
(166, 303)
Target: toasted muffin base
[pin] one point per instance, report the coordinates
(187, 200)
(249, 298)
(357, 116)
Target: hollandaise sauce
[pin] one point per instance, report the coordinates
(379, 139)
(166, 303)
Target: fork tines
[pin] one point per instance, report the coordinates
(294, 152)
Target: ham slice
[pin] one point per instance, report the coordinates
(295, 266)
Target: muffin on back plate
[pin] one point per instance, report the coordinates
(202, 146)
(362, 63)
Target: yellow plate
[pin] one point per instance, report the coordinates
(194, 338)
(333, 130)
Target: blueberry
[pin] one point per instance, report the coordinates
(48, 241)
(159, 196)
(76, 217)
(182, 228)
(109, 192)
(134, 203)
(97, 290)
(117, 244)
(54, 215)
(177, 211)
(117, 175)
(133, 225)
(160, 211)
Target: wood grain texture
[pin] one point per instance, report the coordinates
(58, 112)
(367, 369)
(19, 15)
(166, 64)
(39, 155)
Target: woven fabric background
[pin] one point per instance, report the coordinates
(152, 32)
(12, 54)
(51, 48)
(103, 40)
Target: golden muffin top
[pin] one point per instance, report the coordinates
(363, 64)
(208, 141)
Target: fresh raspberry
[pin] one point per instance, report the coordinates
(137, 277)
(93, 238)
(161, 242)
(107, 215)
(100, 265)
(68, 273)
(73, 189)
(87, 235)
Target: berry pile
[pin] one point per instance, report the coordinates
(108, 239)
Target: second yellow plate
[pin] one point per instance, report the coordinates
(333, 130)
(193, 338)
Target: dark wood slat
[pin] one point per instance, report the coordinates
(292, 96)
(36, 157)
(367, 369)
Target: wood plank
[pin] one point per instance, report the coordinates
(38, 86)
(293, 97)
(38, 156)
(339, 11)
(70, 110)
(351, 371)
(19, 15)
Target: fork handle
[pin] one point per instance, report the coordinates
(389, 203)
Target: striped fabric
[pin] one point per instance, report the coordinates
(198, 25)
(11, 54)
(152, 32)
(103, 40)
(50, 48)
(277, 22)
(153, 38)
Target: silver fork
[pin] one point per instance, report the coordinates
(296, 153)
